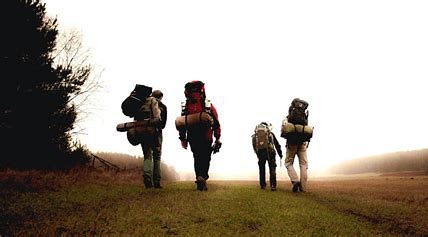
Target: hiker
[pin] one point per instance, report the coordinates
(144, 108)
(197, 125)
(297, 132)
(159, 138)
(264, 145)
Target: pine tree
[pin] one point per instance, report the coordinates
(35, 114)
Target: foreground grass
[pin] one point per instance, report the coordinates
(115, 205)
(227, 209)
(396, 204)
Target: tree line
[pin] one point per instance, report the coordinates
(416, 160)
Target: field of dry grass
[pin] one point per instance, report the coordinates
(398, 203)
(90, 203)
(38, 181)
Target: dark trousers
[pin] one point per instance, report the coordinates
(270, 158)
(202, 156)
(157, 159)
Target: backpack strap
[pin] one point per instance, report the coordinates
(151, 108)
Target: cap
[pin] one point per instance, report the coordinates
(157, 94)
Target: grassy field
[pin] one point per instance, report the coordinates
(382, 206)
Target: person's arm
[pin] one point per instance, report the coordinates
(216, 130)
(253, 138)
(216, 126)
(277, 145)
(164, 114)
(182, 135)
(183, 139)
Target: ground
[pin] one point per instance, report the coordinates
(369, 206)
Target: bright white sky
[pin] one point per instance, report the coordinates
(362, 66)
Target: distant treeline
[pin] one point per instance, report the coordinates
(416, 160)
(128, 162)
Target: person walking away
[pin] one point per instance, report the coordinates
(199, 134)
(157, 153)
(144, 108)
(264, 145)
(297, 132)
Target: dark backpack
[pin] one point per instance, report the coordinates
(132, 104)
(297, 112)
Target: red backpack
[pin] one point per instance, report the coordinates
(196, 101)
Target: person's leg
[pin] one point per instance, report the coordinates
(289, 161)
(157, 152)
(200, 164)
(262, 172)
(303, 163)
(272, 171)
(148, 163)
(196, 150)
(205, 160)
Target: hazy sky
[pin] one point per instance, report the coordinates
(361, 65)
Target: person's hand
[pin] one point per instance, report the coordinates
(184, 143)
(216, 146)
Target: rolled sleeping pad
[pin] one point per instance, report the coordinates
(193, 119)
(123, 127)
(136, 133)
(289, 128)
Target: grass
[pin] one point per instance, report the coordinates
(398, 204)
(118, 207)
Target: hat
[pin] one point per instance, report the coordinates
(157, 94)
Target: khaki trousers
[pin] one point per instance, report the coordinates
(300, 151)
(152, 149)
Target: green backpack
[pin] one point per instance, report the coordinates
(263, 138)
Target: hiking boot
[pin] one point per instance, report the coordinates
(157, 186)
(272, 188)
(200, 183)
(205, 187)
(300, 188)
(295, 187)
(263, 187)
(148, 182)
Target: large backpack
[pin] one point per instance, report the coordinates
(196, 111)
(142, 107)
(196, 101)
(149, 112)
(132, 104)
(263, 138)
(297, 112)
